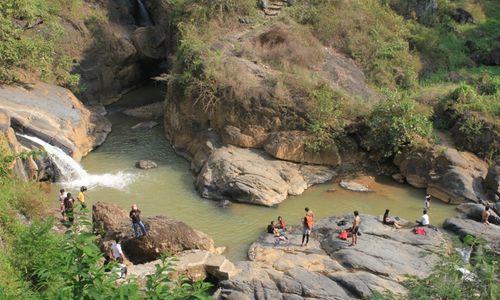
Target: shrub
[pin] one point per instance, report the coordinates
(394, 123)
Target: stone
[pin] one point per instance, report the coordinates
(415, 167)
(146, 164)
(398, 177)
(150, 42)
(250, 176)
(290, 146)
(462, 16)
(145, 125)
(252, 137)
(151, 111)
(354, 186)
(108, 217)
(55, 115)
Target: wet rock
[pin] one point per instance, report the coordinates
(462, 16)
(250, 176)
(145, 125)
(55, 115)
(224, 203)
(146, 164)
(290, 145)
(354, 186)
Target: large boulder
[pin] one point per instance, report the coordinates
(150, 42)
(165, 235)
(55, 115)
(449, 175)
(328, 268)
(251, 176)
(475, 211)
(492, 180)
(253, 136)
(291, 146)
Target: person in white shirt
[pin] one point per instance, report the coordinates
(116, 249)
(424, 220)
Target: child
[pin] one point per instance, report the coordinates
(427, 202)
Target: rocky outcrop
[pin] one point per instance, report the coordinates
(165, 235)
(420, 9)
(475, 211)
(328, 268)
(492, 181)
(291, 146)
(251, 176)
(55, 115)
(463, 227)
(449, 175)
(146, 164)
(197, 265)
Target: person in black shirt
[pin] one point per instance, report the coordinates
(270, 227)
(135, 215)
(68, 207)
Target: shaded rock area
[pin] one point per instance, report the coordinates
(150, 111)
(328, 268)
(449, 175)
(165, 235)
(55, 115)
(420, 9)
(250, 176)
(492, 182)
(194, 264)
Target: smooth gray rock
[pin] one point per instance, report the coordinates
(354, 186)
(475, 211)
(463, 227)
(146, 164)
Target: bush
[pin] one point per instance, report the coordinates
(395, 123)
(370, 33)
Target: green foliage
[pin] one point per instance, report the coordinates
(446, 282)
(394, 123)
(483, 99)
(325, 114)
(371, 33)
(29, 35)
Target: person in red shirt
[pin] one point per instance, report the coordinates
(281, 224)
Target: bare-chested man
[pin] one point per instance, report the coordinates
(486, 215)
(355, 228)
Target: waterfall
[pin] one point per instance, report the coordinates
(144, 18)
(73, 175)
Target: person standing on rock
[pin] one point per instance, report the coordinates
(308, 224)
(68, 207)
(427, 202)
(135, 215)
(486, 215)
(355, 228)
(81, 197)
(62, 196)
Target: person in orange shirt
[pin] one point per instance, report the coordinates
(308, 224)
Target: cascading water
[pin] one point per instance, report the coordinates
(73, 175)
(144, 18)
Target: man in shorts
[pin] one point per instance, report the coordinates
(308, 224)
(355, 228)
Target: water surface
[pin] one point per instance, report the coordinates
(169, 190)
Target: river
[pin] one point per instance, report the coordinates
(169, 190)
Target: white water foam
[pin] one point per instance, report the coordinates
(73, 175)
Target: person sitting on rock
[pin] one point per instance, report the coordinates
(424, 220)
(279, 235)
(135, 215)
(281, 224)
(486, 215)
(387, 221)
(270, 227)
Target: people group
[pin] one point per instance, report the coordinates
(67, 203)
